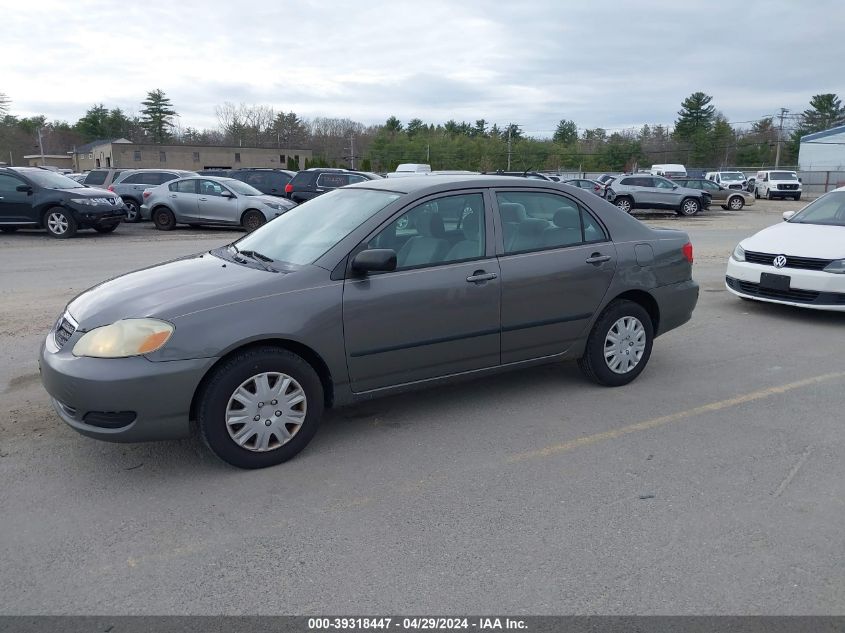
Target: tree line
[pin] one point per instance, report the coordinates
(700, 136)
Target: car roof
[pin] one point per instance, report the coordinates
(413, 184)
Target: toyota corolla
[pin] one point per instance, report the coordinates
(368, 290)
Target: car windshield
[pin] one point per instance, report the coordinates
(828, 210)
(783, 175)
(241, 187)
(51, 180)
(732, 175)
(308, 231)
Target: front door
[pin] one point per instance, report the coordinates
(438, 312)
(15, 206)
(554, 275)
(666, 194)
(216, 207)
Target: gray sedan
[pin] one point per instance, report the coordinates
(366, 291)
(206, 200)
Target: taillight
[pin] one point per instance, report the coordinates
(288, 188)
(111, 188)
(146, 194)
(687, 250)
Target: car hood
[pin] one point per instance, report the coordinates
(89, 192)
(275, 200)
(800, 240)
(173, 289)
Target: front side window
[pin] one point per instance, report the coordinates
(445, 230)
(211, 188)
(9, 187)
(662, 183)
(533, 221)
(308, 231)
(709, 185)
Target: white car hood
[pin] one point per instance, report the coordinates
(799, 240)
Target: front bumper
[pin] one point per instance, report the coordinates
(675, 303)
(121, 399)
(86, 218)
(782, 193)
(813, 289)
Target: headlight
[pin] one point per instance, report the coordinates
(128, 337)
(739, 253)
(837, 266)
(276, 206)
(86, 201)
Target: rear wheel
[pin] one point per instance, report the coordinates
(619, 344)
(60, 223)
(689, 206)
(252, 220)
(133, 211)
(736, 203)
(260, 407)
(164, 219)
(624, 203)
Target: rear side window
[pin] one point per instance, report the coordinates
(97, 177)
(184, 186)
(332, 181)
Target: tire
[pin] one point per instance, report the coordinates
(60, 223)
(797, 198)
(8, 229)
(736, 203)
(106, 228)
(689, 207)
(164, 219)
(769, 195)
(133, 211)
(756, 193)
(595, 364)
(236, 375)
(624, 203)
(252, 220)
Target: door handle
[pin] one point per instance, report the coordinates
(597, 258)
(204, 199)
(172, 195)
(480, 275)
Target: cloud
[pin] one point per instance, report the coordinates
(602, 63)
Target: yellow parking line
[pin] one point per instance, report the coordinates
(645, 425)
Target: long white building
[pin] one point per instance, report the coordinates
(823, 151)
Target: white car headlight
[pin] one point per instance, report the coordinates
(127, 337)
(836, 266)
(739, 253)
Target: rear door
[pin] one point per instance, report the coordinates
(16, 207)
(554, 277)
(183, 199)
(438, 312)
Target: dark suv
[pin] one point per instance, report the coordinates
(38, 198)
(310, 183)
(267, 180)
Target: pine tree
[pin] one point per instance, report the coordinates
(825, 112)
(695, 116)
(4, 104)
(156, 116)
(566, 132)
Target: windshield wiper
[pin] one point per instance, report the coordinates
(256, 257)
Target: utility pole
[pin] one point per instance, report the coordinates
(783, 112)
(41, 146)
(352, 151)
(510, 128)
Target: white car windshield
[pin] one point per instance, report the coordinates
(732, 175)
(305, 233)
(828, 210)
(783, 175)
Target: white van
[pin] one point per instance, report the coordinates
(777, 183)
(728, 179)
(669, 171)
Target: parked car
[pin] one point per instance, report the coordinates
(270, 182)
(131, 184)
(604, 180)
(590, 185)
(670, 170)
(730, 179)
(777, 183)
(521, 174)
(38, 198)
(653, 192)
(800, 262)
(727, 198)
(333, 303)
(101, 177)
(204, 200)
(310, 183)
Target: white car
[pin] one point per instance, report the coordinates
(800, 262)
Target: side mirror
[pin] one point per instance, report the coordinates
(674, 186)
(799, 180)
(24, 188)
(787, 215)
(374, 260)
(227, 194)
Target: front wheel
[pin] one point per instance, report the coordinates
(689, 206)
(769, 195)
(624, 203)
(736, 203)
(60, 223)
(798, 197)
(133, 211)
(260, 407)
(756, 193)
(619, 344)
(164, 219)
(252, 220)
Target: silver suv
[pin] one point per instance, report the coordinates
(641, 191)
(131, 183)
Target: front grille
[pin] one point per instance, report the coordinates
(735, 187)
(804, 263)
(793, 294)
(787, 187)
(64, 330)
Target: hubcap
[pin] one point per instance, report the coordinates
(690, 207)
(57, 223)
(624, 205)
(265, 412)
(736, 203)
(131, 210)
(624, 345)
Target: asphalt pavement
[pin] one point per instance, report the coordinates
(712, 484)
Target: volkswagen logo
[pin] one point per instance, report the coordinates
(780, 261)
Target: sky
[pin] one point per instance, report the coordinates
(600, 63)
